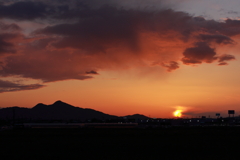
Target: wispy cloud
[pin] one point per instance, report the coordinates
(7, 86)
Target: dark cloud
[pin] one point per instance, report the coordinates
(6, 47)
(105, 28)
(25, 10)
(220, 39)
(223, 63)
(171, 66)
(92, 72)
(47, 67)
(232, 22)
(42, 44)
(202, 52)
(47, 9)
(226, 57)
(232, 12)
(97, 30)
(230, 27)
(7, 86)
(8, 33)
(92, 10)
(79, 36)
(222, 59)
(198, 54)
(9, 27)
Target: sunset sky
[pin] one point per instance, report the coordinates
(122, 57)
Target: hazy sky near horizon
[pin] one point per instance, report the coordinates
(122, 57)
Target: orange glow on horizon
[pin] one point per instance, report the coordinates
(177, 113)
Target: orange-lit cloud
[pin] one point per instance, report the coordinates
(171, 66)
(81, 39)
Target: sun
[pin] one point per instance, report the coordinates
(177, 113)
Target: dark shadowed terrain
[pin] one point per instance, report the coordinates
(57, 111)
(163, 143)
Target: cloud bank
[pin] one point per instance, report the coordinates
(78, 39)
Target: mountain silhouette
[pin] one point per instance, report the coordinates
(57, 111)
(136, 116)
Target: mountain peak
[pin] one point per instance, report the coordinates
(39, 105)
(61, 104)
(58, 103)
(137, 116)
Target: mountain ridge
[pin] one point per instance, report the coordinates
(58, 111)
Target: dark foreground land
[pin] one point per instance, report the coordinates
(164, 143)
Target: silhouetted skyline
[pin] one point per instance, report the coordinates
(59, 111)
(63, 111)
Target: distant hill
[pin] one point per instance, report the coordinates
(58, 111)
(136, 116)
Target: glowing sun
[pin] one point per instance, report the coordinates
(177, 113)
